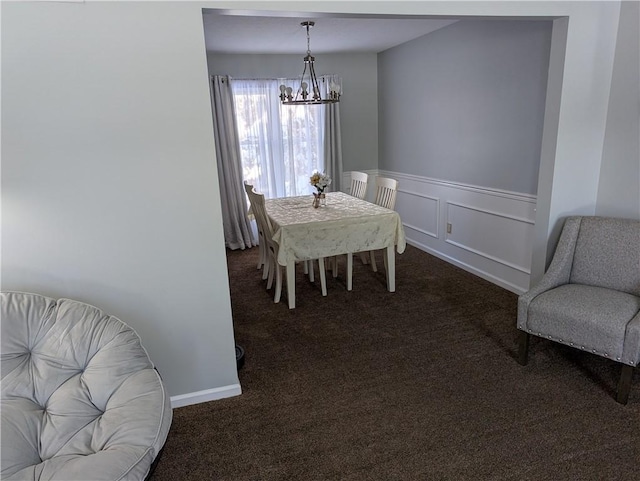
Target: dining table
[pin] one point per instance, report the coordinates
(344, 224)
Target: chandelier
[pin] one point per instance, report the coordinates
(308, 92)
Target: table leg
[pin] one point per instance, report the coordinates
(391, 269)
(323, 276)
(349, 271)
(310, 269)
(291, 284)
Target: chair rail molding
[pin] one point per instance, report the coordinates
(485, 231)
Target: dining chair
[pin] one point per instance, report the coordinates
(273, 270)
(357, 189)
(271, 247)
(386, 190)
(262, 258)
(262, 261)
(359, 184)
(262, 253)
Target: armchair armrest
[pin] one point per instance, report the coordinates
(559, 270)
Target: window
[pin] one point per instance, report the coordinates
(280, 145)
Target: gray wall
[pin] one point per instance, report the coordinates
(109, 184)
(466, 104)
(619, 187)
(358, 106)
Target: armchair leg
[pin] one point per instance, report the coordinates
(624, 385)
(523, 350)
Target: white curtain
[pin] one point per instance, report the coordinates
(281, 145)
(237, 228)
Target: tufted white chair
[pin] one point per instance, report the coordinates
(81, 399)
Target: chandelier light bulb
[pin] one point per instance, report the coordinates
(282, 88)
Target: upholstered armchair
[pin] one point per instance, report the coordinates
(589, 298)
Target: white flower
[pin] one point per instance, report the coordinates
(319, 180)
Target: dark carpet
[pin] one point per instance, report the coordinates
(420, 384)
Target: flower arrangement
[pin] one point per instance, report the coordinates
(320, 181)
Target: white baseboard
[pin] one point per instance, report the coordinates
(207, 395)
(469, 268)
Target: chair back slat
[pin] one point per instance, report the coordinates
(386, 192)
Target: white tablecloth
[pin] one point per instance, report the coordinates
(345, 224)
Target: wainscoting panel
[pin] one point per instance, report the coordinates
(485, 231)
(464, 223)
(420, 212)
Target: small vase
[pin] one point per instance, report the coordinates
(323, 200)
(316, 200)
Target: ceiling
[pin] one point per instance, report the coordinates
(256, 33)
